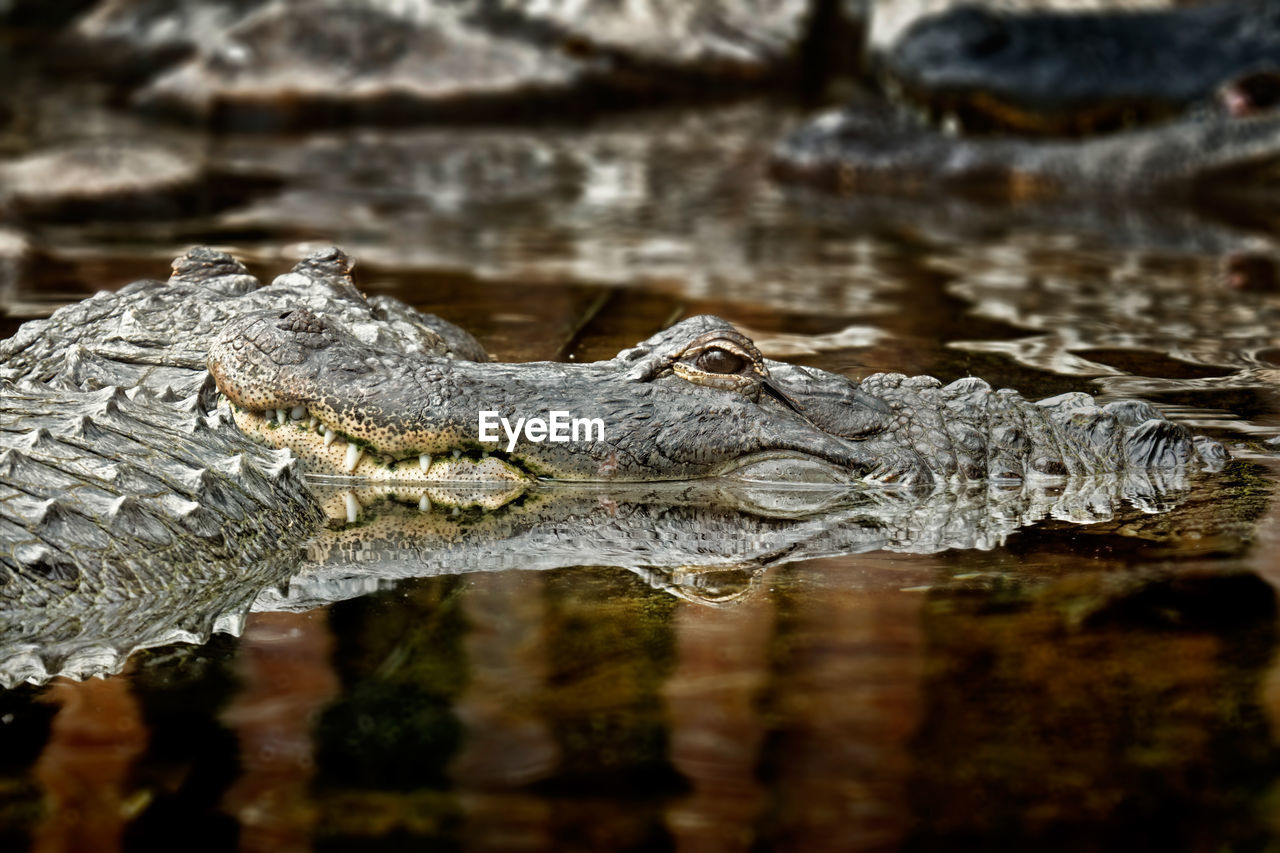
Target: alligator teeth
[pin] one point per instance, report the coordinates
(297, 413)
(353, 506)
(424, 461)
(424, 503)
(353, 457)
(329, 436)
(311, 424)
(280, 416)
(457, 453)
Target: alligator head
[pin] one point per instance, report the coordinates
(695, 400)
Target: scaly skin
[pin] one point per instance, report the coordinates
(667, 416)
(127, 521)
(1080, 72)
(132, 512)
(157, 334)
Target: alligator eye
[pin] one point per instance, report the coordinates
(718, 360)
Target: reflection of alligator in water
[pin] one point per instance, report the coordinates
(708, 541)
(153, 487)
(680, 534)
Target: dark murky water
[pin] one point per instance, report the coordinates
(1074, 686)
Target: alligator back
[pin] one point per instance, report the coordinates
(123, 509)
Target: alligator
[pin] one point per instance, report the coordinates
(1038, 106)
(1084, 72)
(695, 400)
(131, 431)
(1215, 155)
(126, 496)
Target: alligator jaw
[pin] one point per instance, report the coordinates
(352, 409)
(327, 452)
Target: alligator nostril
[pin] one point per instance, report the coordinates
(1252, 93)
(286, 315)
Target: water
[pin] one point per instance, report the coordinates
(1069, 686)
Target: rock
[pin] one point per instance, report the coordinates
(746, 38)
(104, 179)
(157, 26)
(337, 62)
(135, 38)
(268, 64)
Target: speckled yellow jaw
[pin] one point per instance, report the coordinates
(326, 451)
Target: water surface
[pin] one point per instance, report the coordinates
(1067, 686)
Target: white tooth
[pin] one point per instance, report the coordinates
(280, 416)
(311, 424)
(329, 436)
(353, 507)
(424, 503)
(456, 511)
(298, 412)
(457, 453)
(424, 461)
(353, 457)
(484, 455)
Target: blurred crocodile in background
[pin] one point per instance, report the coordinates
(1075, 72)
(1215, 157)
(1003, 105)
